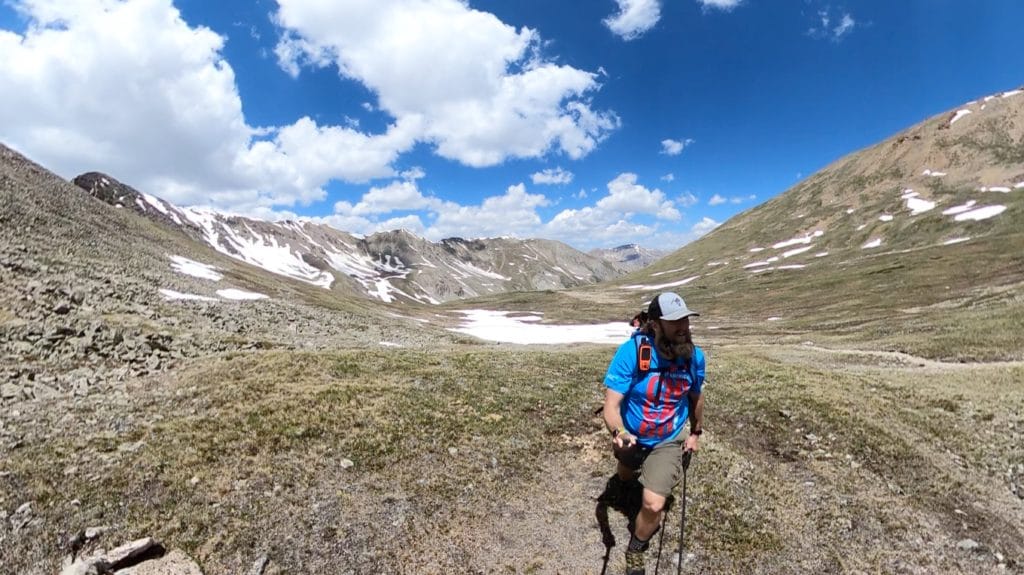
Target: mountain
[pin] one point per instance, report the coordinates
(925, 227)
(865, 360)
(630, 257)
(389, 266)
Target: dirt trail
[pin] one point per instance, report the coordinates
(551, 526)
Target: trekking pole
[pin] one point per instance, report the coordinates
(687, 455)
(661, 541)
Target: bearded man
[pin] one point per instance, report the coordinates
(652, 390)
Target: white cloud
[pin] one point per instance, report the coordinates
(717, 199)
(512, 214)
(845, 26)
(628, 213)
(396, 196)
(688, 200)
(552, 176)
(671, 147)
(704, 226)
(626, 196)
(827, 27)
(725, 5)
(668, 177)
(476, 88)
(131, 89)
(635, 17)
(413, 173)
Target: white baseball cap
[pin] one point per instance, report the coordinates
(669, 306)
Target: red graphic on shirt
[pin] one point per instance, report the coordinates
(663, 395)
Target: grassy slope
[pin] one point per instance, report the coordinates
(244, 455)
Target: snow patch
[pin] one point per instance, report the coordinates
(917, 205)
(796, 251)
(170, 295)
(952, 241)
(982, 213)
(661, 286)
(498, 326)
(959, 114)
(195, 269)
(237, 294)
(799, 240)
(669, 271)
(959, 209)
(872, 244)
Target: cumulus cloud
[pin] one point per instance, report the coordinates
(634, 18)
(131, 89)
(670, 177)
(671, 147)
(717, 200)
(628, 213)
(704, 226)
(396, 196)
(511, 214)
(552, 176)
(626, 196)
(477, 88)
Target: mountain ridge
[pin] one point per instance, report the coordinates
(390, 266)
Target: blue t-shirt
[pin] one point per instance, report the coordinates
(655, 409)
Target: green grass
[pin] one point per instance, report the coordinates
(235, 452)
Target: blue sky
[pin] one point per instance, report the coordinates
(595, 122)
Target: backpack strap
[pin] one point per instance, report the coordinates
(644, 354)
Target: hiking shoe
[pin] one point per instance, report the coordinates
(635, 563)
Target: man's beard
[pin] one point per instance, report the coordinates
(675, 348)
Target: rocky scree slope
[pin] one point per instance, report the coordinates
(81, 308)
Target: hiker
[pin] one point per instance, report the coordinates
(654, 386)
(639, 320)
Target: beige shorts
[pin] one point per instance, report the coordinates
(661, 467)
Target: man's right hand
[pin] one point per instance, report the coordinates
(624, 440)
